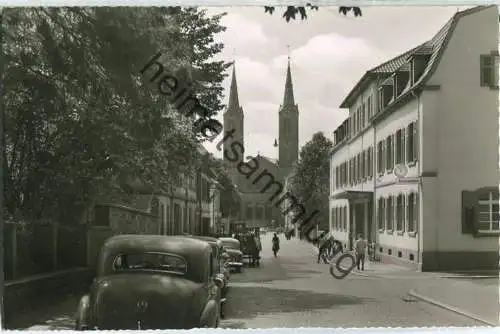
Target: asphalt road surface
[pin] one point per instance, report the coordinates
(292, 290)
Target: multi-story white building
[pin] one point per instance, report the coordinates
(415, 166)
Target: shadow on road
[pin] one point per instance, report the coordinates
(249, 302)
(274, 270)
(55, 314)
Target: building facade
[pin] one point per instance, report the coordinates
(260, 179)
(414, 168)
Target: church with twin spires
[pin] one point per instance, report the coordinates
(257, 210)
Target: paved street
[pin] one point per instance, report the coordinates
(293, 291)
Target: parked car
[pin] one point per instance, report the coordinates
(221, 259)
(152, 282)
(233, 248)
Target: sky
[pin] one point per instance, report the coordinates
(329, 53)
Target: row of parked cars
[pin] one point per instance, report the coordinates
(159, 282)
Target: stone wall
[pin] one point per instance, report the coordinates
(112, 219)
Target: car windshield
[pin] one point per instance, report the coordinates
(231, 244)
(150, 261)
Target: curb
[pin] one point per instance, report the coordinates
(450, 308)
(468, 277)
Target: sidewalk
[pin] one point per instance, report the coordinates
(477, 299)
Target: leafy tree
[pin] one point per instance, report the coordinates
(291, 12)
(311, 175)
(79, 118)
(230, 198)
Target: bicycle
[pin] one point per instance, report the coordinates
(338, 262)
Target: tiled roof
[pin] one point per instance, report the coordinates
(433, 47)
(393, 64)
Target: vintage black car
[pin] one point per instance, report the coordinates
(220, 260)
(152, 282)
(233, 249)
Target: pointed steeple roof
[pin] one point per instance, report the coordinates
(234, 102)
(288, 99)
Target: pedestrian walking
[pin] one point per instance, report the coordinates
(276, 244)
(360, 249)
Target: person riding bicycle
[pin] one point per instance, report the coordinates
(325, 244)
(276, 244)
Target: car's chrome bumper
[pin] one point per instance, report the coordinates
(235, 264)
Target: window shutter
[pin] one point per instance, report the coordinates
(415, 141)
(406, 214)
(403, 212)
(393, 143)
(403, 145)
(409, 144)
(382, 165)
(486, 65)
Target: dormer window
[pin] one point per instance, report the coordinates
(418, 65)
(386, 93)
(401, 78)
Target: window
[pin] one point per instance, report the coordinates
(341, 175)
(337, 178)
(355, 169)
(360, 167)
(369, 108)
(390, 213)
(489, 213)
(381, 213)
(489, 70)
(344, 174)
(400, 217)
(365, 164)
(333, 217)
(358, 119)
(412, 212)
(337, 217)
(344, 227)
(400, 146)
(349, 168)
(380, 157)
(389, 162)
(355, 127)
(150, 261)
(341, 218)
(411, 143)
(370, 162)
(363, 115)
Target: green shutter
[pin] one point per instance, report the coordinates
(485, 70)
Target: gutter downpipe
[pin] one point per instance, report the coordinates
(420, 186)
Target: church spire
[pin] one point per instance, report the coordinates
(288, 99)
(234, 102)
